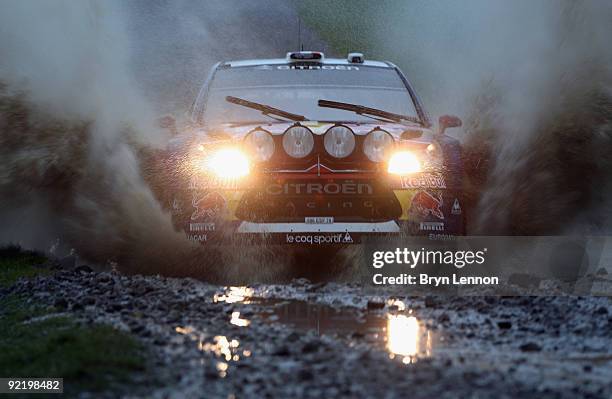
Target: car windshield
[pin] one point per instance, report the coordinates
(297, 91)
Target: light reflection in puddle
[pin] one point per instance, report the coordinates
(403, 335)
(234, 294)
(237, 321)
(223, 348)
(407, 337)
(401, 306)
(398, 332)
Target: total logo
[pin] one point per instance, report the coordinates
(319, 239)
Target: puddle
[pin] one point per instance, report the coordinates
(226, 350)
(399, 332)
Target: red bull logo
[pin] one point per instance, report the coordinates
(424, 204)
(208, 206)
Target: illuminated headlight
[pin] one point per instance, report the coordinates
(377, 145)
(339, 141)
(261, 144)
(298, 141)
(404, 162)
(228, 163)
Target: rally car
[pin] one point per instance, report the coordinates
(313, 150)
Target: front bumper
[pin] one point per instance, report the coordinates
(423, 205)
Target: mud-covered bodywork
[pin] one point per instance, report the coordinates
(314, 173)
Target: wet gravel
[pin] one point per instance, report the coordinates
(220, 342)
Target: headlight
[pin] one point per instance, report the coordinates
(339, 141)
(403, 163)
(260, 143)
(377, 145)
(228, 163)
(298, 141)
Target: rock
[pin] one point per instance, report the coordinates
(103, 278)
(530, 347)
(375, 304)
(83, 269)
(504, 325)
(430, 302)
(89, 300)
(293, 337)
(310, 347)
(305, 375)
(61, 303)
(302, 281)
(282, 350)
(137, 328)
(315, 287)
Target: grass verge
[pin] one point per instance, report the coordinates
(36, 341)
(16, 263)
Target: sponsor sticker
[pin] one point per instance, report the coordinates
(425, 204)
(319, 220)
(423, 180)
(431, 226)
(319, 239)
(319, 67)
(347, 239)
(208, 206)
(197, 237)
(344, 188)
(456, 209)
(212, 183)
(201, 227)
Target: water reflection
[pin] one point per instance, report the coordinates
(227, 350)
(398, 331)
(237, 321)
(234, 294)
(400, 305)
(224, 349)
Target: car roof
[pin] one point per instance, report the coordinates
(283, 61)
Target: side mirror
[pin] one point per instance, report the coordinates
(447, 121)
(168, 122)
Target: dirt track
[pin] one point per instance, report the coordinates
(335, 340)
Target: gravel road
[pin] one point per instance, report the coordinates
(338, 340)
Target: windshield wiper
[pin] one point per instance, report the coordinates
(265, 109)
(367, 111)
